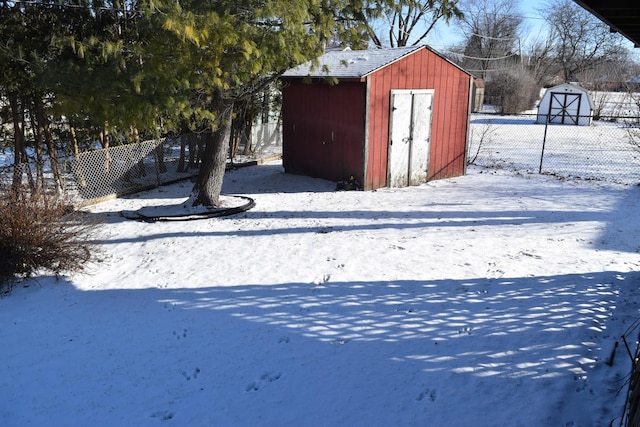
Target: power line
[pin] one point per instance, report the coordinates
(488, 59)
(494, 38)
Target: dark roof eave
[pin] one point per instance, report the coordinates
(619, 15)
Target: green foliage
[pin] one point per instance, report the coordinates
(237, 48)
(154, 67)
(151, 65)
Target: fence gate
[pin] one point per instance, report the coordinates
(409, 137)
(564, 108)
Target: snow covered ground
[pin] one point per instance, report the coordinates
(493, 299)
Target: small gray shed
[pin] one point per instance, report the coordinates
(566, 104)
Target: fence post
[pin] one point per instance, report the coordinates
(158, 145)
(544, 140)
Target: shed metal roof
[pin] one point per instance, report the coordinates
(352, 63)
(568, 87)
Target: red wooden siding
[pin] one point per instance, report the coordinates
(323, 134)
(421, 70)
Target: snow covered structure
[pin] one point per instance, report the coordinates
(566, 104)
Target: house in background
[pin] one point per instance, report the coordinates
(566, 104)
(387, 117)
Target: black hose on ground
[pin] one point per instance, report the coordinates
(213, 213)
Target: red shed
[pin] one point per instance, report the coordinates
(396, 117)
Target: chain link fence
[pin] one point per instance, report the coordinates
(125, 169)
(608, 149)
(97, 175)
(35, 177)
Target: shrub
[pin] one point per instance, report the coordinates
(39, 233)
(512, 91)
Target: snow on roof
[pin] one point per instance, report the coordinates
(350, 63)
(568, 87)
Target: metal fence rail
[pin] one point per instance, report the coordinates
(608, 149)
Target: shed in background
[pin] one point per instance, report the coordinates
(566, 104)
(387, 117)
(478, 95)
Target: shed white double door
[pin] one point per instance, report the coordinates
(409, 137)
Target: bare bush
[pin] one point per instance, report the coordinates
(39, 232)
(600, 99)
(634, 138)
(483, 135)
(512, 90)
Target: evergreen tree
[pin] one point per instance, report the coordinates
(228, 50)
(151, 67)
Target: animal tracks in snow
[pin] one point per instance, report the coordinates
(162, 415)
(323, 279)
(466, 330)
(189, 376)
(427, 394)
(493, 272)
(180, 334)
(332, 259)
(284, 339)
(266, 378)
(326, 277)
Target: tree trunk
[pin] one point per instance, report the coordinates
(233, 143)
(192, 142)
(141, 169)
(208, 185)
(183, 152)
(104, 136)
(184, 131)
(36, 126)
(26, 167)
(43, 123)
(74, 141)
(201, 142)
(104, 142)
(158, 156)
(246, 138)
(18, 139)
(82, 182)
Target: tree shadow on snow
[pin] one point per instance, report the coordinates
(621, 232)
(375, 221)
(339, 353)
